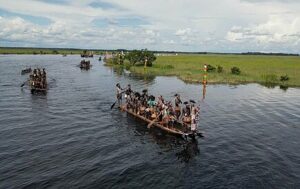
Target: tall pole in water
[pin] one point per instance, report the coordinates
(145, 65)
(204, 81)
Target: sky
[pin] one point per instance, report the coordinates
(173, 25)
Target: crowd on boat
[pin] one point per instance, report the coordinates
(166, 113)
(38, 78)
(85, 64)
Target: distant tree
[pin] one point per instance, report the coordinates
(141, 57)
(134, 57)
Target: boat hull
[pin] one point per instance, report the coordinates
(173, 131)
(38, 90)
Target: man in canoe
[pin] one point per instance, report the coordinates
(119, 92)
(128, 92)
(186, 113)
(194, 113)
(177, 106)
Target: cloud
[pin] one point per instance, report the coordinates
(183, 32)
(64, 35)
(194, 25)
(276, 30)
(271, 1)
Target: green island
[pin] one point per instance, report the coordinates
(264, 69)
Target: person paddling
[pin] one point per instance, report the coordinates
(119, 92)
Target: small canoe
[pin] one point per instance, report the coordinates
(25, 71)
(38, 82)
(85, 64)
(171, 130)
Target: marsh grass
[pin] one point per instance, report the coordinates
(254, 69)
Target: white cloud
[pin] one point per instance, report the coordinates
(277, 29)
(194, 25)
(183, 32)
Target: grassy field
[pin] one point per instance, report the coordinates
(7, 50)
(254, 69)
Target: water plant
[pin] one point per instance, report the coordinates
(219, 69)
(235, 70)
(270, 78)
(210, 68)
(284, 78)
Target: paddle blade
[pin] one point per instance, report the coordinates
(150, 124)
(112, 105)
(22, 85)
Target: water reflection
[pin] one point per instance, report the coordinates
(284, 87)
(203, 91)
(190, 150)
(185, 150)
(39, 101)
(148, 79)
(272, 86)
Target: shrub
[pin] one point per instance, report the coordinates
(140, 56)
(127, 66)
(219, 69)
(210, 68)
(270, 78)
(284, 78)
(235, 70)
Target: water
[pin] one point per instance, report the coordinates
(71, 139)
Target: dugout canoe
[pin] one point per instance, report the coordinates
(85, 64)
(171, 130)
(26, 71)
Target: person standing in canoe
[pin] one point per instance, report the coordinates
(194, 113)
(128, 93)
(177, 106)
(119, 92)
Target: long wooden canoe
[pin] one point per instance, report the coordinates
(171, 130)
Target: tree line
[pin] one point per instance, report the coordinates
(134, 57)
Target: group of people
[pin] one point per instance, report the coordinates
(165, 112)
(38, 78)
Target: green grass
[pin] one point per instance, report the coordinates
(254, 69)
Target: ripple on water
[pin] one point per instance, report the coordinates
(70, 138)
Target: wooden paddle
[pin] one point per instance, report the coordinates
(111, 107)
(23, 84)
(152, 122)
